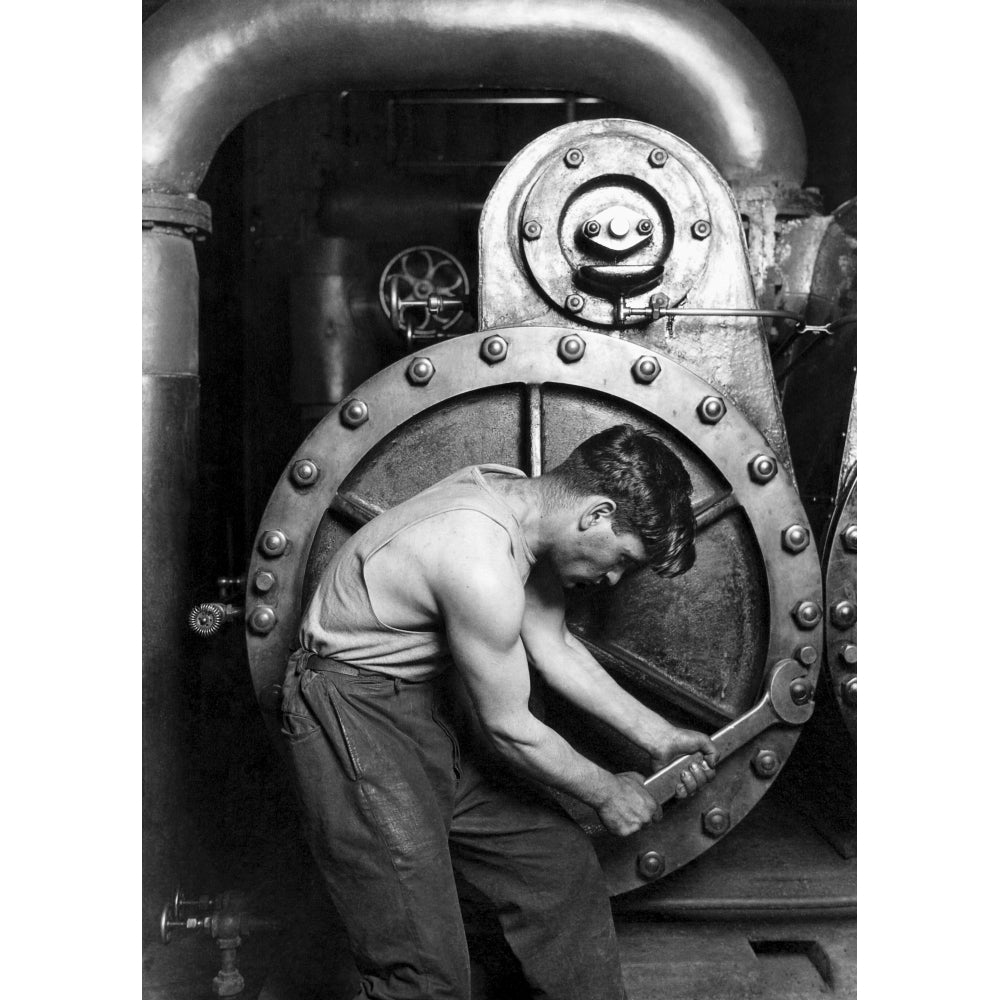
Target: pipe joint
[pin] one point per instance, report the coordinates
(178, 213)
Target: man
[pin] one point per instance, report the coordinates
(469, 575)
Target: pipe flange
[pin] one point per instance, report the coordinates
(178, 213)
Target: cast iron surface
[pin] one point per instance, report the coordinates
(529, 410)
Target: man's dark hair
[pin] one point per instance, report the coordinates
(650, 486)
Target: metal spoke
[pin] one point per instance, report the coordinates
(353, 509)
(533, 424)
(713, 508)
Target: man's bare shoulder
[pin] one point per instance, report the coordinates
(462, 538)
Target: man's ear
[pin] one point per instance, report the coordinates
(599, 509)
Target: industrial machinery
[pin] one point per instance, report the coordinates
(529, 232)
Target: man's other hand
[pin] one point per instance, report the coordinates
(628, 807)
(700, 771)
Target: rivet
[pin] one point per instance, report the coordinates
(354, 413)
(849, 692)
(571, 348)
(766, 763)
(305, 473)
(493, 349)
(420, 371)
(848, 654)
(763, 468)
(807, 614)
(715, 822)
(807, 655)
(573, 158)
(657, 157)
(619, 227)
(262, 619)
(849, 538)
(711, 410)
(843, 614)
(646, 369)
(591, 227)
(574, 302)
(644, 227)
(263, 581)
(795, 538)
(531, 230)
(651, 865)
(800, 690)
(702, 229)
(272, 543)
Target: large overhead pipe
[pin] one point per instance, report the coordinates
(686, 65)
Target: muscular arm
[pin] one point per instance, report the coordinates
(481, 601)
(569, 668)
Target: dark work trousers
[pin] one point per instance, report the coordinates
(390, 807)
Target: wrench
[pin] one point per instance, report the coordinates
(787, 699)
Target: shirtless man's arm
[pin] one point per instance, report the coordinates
(481, 601)
(568, 667)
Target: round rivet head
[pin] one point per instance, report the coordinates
(763, 468)
(715, 822)
(272, 543)
(807, 655)
(650, 865)
(795, 539)
(849, 538)
(657, 157)
(305, 473)
(571, 348)
(263, 581)
(801, 691)
(574, 303)
(849, 692)
(843, 614)
(702, 229)
(573, 158)
(354, 413)
(262, 619)
(493, 349)
(591, 227)
(766, 764)
(711, 410)
(420, 371)
(807, 614)
(532, 229)
(848, 654)
(646, 369)
(644, 227)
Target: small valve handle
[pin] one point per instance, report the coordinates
(207, 619)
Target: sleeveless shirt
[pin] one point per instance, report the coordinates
(340, 622)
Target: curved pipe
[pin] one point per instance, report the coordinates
(685, 65)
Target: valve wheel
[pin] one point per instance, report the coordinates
(418, 273)
(206, 619)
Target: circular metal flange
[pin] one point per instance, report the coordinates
(532, 358)
(615, 172)
(183, 213)
(841, 580)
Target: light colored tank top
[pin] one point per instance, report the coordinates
(340, 622)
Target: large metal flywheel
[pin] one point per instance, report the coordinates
(746, 622)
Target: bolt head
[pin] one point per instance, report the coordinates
(532, 229)
(650, 865)
(715, 822)
(263, 581)
(849, 692)
(644, 227)
(702, 229)
(766, 764)
(843, 614)
(807, 614)
(493, 349)
(807, 655)
(801, 691)
(571, 348)
(574, 303)
(272, 544)
(591, 227)
(420, 371)
(262, 619)
(763, 468)
(354, 413)
(849, 538)
(657, 157)
(573, 158)
(848, 654)
(305, 473)
(646, 369)
(711, 410)
(795, 538)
